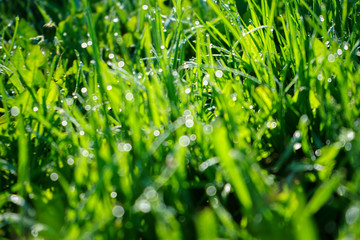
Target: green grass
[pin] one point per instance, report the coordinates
(178, 119)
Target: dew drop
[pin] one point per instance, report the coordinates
(211, 191)
(70, 161)
(118, 211)
(144, 206)
(14, 111)
(352, 215)
(127, 147)
(219, 73)
(69, 101)
(129, 96)
(121, 64)
(187, 112)
(85, 152)
(297, 146)
(331, 58)
(150, 193)
(184, 141)
(189, 123)
(54, 177)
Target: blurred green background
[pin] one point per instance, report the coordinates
(179, 119)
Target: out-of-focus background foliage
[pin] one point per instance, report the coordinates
(179, 119)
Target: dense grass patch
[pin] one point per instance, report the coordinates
(187, 119)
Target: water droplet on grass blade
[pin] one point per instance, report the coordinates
(150, 193)
(297, 146)
(69, 101)
(14, 111)
(304, 119)
(121, 64)
(341, 190)
(127, 147)
(54, 177)
(85, 152)
(331, 58)
(70, 161)
(118, 211)
(34, 233)
(184, 141)
(352, 215)
(17, 200)
(211, 191)
(189, 123)
(187, 112)
(348, 147)
(350, 135)
(203, 166)
(318, 152)
(219, 73)
(144, 206)
(129, 96)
